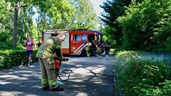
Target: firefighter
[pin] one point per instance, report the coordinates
(48, 51)
(88, 48)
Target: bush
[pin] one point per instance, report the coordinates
(9, 58)
(126, 55)
(143, 77)
(5, 45)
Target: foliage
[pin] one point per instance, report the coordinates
(35, 16)
(5, 45)
(84, 15)
(138, 24)
(61, 12)
(113, 9)
(127, 55)
(13, 57)
(139, 77)
(146, 25)
(108, 37)
(66, 14)
(5, 21)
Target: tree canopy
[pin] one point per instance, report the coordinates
(140, 25)
(34, 16)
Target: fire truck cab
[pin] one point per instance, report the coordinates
(76, 39)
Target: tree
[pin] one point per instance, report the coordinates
(57, 13)
(52, 14)
(17, 5)
(6, 23)
(84, 16)
(146, 25)
(113, 9)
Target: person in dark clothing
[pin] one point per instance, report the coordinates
(107, 49)
(93, 48)
(99, 47)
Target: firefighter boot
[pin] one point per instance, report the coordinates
(57, 89)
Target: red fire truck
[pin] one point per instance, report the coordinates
(76, 39)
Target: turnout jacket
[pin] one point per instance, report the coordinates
(51, 48)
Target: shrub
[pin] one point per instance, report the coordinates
(5, 45)
(143, 77)
(126, 55)
(9, 58)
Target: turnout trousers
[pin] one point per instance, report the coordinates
(48, 76)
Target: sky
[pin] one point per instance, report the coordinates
(96, 5)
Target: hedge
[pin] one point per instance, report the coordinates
(10, 58)
(139, 77)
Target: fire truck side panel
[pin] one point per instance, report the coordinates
(78, 41)
(66, 44)
(46, 36)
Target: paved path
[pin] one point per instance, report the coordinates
(90, 77)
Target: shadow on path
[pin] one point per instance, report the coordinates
(90, 77)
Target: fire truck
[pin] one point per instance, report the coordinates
(76, 39)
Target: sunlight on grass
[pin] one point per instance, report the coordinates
(112, 50)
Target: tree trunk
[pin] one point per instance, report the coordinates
(15, 24)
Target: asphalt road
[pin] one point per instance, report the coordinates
(90, 76)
